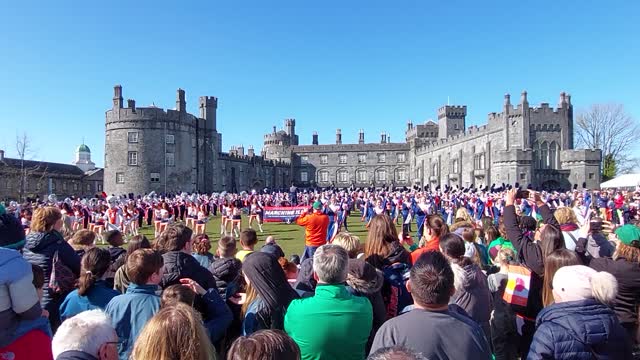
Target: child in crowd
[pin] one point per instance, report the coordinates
(248, 241)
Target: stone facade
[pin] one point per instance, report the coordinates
(40, 179)
(151, 149)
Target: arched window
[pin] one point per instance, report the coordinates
(544, 155)
(435, 170)
(553, 155)
(456, 166)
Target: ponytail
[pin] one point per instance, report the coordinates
(94, 264)
(604, 287)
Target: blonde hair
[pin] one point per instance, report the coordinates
(349, 242)
(565, 215)
(629, 253)
(462, 213)
(45, 218)
(505, 256)
(174, 333)
(251, 296)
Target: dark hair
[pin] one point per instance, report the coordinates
(551, 239)
(528, 223)
(554, 261)
(143, 263)
(112, 237)
(264, 345)
(137, 242)
(431, 279)
(491, 233)
(437, 225)
(227, 246)
(452, 245)
(382, 234)
(174, 238)
(248, 237)
(38, 276)
(177, 293)
(201, 244)
(94, 264)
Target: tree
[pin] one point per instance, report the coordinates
(24, 172)
(610, 128)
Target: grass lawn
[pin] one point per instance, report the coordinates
(289, 236)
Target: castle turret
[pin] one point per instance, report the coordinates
(507, 104)
(131, 104)
(290, 129)
(523, 100)
(117, 97)
(451, 120)
(181, 104)
(250, 151)
(208, 109)
(338, 136)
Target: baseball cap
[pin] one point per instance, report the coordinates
(317, 205)
(629, 235)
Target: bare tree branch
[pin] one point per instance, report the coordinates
(610, 128)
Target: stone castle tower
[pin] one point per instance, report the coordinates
(152, 149)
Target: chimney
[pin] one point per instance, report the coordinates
(387, 138)
(131, 104)
(241, 150)
(274, 129)
(338, 136)
(181, 104)
(117, 97)
(1, 155)
(361, 137)
(383, 138)
(250, 151)
(409, 125)
(523, 99)
(314, 139)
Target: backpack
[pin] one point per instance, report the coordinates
(62, 279)
(394, 290)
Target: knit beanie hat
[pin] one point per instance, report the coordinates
(579, 282)
(11, 232)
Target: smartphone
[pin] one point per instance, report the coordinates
(522, 194)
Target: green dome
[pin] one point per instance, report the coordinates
(83, 148)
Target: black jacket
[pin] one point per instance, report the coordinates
(179, 265)
(584, 329)
(225, 273)
(39, 250)
(530, 255)
(628, 275)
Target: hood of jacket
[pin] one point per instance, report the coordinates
(363, 277)
(466, 276)
(36, 241)
(588, 321)
(12, 266)
(226, 269)
(397, 254)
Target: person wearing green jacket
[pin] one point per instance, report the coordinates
(333, 324)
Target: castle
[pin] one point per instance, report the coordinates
(167, 151)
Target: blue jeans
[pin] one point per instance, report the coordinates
(308, 252)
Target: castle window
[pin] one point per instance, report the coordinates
(342, 159)
(155, 177)
(456, 127)
(132, 137)
(64, 186)
(381, 175)
(402, 175)
(170, 159)
(132, 158)
(304, 176)
(324, 159)
(401, 157)
(343, 176)
(88, 187)
(304, 159)
(324, 176)
(38, 186)
(75, 186)
(362, 158)
(53, 185)
(523, 176)
(99, 187)
(455, 166)
(193, 142)
(361, 175)
(435, 170)
(119, 178)
(170, 139)
(591, 176)
(382, 157)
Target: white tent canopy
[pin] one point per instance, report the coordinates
(623, 182)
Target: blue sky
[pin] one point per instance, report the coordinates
(329, 64)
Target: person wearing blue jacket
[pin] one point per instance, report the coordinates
(93, 291)
(580, 325)
(130, 311)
